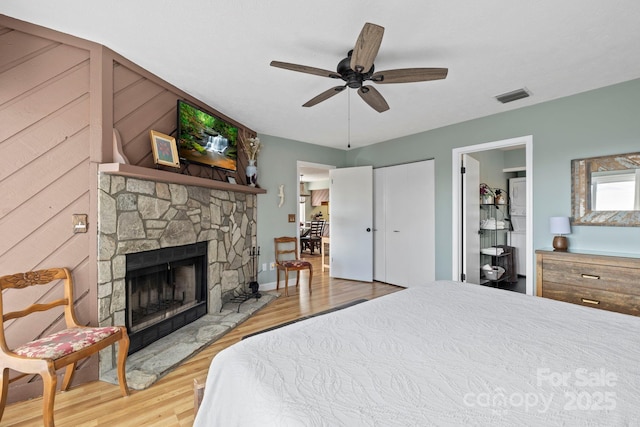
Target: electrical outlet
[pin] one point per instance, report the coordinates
(272, 266)
(264, 266)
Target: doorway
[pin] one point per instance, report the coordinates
(311, 177)
(460, 231)
(351, 206)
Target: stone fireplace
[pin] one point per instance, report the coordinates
(138, 216)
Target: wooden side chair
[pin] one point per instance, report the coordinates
(44, 356)
(287, 259)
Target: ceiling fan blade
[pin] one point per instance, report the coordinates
(324, 96)
(305, 69)
(409, 75)
(372, 97)
(366, 48)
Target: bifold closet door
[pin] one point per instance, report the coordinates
(379, 226)
(398, 227)
(407, 237)
(421, 241)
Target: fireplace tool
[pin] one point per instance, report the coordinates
(254, 254)
(253, 284)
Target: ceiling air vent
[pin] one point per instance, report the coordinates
(513, 95)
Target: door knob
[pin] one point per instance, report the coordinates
(368, 229)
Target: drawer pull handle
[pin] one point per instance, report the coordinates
(590, 276)
(590, 301)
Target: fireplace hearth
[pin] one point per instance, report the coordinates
(166, 290)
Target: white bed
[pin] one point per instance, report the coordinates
(443, 354)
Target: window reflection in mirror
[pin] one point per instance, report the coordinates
(615, 190)
(606, 190)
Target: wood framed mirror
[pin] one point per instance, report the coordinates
(606, 190)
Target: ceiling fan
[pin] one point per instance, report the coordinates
(357, 68)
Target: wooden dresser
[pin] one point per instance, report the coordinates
(608, 281)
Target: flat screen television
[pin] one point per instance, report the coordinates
(205, 139)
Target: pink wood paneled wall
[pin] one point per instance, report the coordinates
(142, 102)
(44, 173)
(60, 98)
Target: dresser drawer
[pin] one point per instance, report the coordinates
(597, 298)
(613, 278)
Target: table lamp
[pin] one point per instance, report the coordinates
(559, 225)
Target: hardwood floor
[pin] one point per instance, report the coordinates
(169, 402)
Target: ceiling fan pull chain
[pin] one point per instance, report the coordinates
(349, 119)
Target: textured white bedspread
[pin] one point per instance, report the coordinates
(443, 354)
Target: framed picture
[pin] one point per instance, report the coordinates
(231, 180)
(165, 150)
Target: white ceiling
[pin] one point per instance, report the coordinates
(219, 51)
(313, 174)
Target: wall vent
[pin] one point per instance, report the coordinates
(513, 95)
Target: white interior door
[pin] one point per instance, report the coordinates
(471, 220)
(351, 214)
(398, 229)
(421, 192)
(404, 224)
(379, 230)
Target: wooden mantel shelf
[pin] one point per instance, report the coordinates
(173, 178)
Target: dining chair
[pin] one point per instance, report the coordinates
(287, 259)
(313, 238)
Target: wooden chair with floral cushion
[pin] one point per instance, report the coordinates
(45, 355)
(287, 259)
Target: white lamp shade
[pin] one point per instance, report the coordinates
(559, 225)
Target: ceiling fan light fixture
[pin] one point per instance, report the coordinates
(358, 68)
(513, 95)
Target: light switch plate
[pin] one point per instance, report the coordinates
(292, 217)
(79, 223)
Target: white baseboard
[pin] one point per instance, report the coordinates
(267, 286)
(272, 285)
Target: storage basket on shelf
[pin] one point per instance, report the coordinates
(492, 272)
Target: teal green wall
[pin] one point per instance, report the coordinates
(594, 123)
(318, 185)
(515, 158)
(492, 162)
(277, 164)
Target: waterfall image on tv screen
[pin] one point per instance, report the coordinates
(205, 139)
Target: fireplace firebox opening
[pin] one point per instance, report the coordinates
(166, 290)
